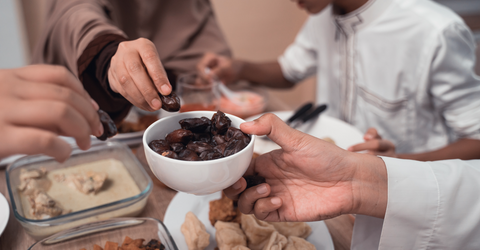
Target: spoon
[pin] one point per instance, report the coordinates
(231, 95)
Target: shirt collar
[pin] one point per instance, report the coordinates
(362, 16)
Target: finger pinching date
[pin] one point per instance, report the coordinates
(170, 103)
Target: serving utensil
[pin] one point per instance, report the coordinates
(229, 94)
(301, 116)
(310, 116)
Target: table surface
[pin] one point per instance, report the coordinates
(14, 237)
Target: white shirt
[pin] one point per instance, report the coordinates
(431, 205)
(405, 67)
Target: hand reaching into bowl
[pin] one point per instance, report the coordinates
(137, 73)
(309, 179)
(221, 68)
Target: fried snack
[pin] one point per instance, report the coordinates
(195, 233)
(258, 232)
(276, 242)
(297, 243)
(223, 210)
(298, 229)
(229, 235)
(111, 246)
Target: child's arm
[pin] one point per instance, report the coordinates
(464, 149)
(229, 70)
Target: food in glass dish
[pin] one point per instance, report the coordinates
(202, 139)
(61, 191)
(130, 244)
(249, 103)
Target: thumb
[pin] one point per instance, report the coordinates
(277, 130)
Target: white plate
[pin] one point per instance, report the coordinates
(344, 134)
(4, 213)
(133, 137)
(182, 203)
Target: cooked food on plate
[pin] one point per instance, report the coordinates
(238, 231)
(195, 233)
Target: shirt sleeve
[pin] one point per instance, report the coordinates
(455, 86)
(431, 205)
(299, 60)
(70, 27)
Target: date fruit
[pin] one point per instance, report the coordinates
(180, 136)
(170, 103)
(202, 139)
(109, 127)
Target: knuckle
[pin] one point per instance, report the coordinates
(46, 141)
(150, 55)
(62, 72)
(60, 110)
(269, 117)
(124, 80)
(123, 45)
(135, 67)
(64, 93)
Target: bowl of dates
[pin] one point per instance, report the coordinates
(198, 152)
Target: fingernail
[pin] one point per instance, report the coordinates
(156, 103)
(368, 137)
(262, 189)
(100, 130)
(165, 89)
(275, 201)
(95, 104)
(250, 123)
(350, 149)
(237, 185)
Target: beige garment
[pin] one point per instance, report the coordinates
(181, 30)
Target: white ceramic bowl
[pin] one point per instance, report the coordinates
(195, 177)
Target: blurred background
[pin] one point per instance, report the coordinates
(257, 30)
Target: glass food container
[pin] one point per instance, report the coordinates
(113, 230)
(125, 207)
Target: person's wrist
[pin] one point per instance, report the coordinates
(110, 85)
(238, 67)
(370, 185)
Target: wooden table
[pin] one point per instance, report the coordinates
(14, 237)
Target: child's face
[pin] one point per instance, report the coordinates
(313, 6)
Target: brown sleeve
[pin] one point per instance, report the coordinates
(204, 35)
(93, 67)
(70, 26)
